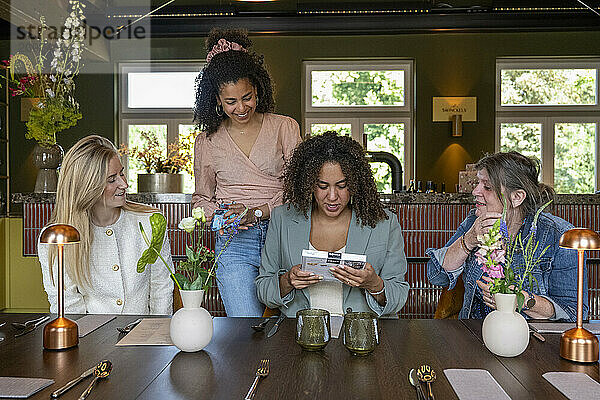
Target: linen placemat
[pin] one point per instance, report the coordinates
(574, 385)
(149, 332)
(22, 388)
(475, 384)
(90, 323)
(560, 327)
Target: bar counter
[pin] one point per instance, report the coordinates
(396, 198)
(427, 220)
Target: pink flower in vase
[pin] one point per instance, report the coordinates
(495, 271)
(497, 256)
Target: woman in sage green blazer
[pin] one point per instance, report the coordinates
(333, 206)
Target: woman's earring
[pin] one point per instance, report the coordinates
(351, 199)
(219, 109)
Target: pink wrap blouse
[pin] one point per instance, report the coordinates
(224, 173)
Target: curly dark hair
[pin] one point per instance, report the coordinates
(302, 172)
(229, 67)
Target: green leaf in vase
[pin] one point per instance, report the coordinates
(158, 223)
(520, 300)
(191, 255)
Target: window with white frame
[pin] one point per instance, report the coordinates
(156, 103)
(369, 100)
(548, 108)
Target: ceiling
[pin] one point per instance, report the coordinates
(190, 18)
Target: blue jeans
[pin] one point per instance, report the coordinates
(238, 268)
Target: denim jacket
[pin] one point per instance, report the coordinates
(556, 274)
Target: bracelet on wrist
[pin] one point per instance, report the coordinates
(464, 245)
(376, 293)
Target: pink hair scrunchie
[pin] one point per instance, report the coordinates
(222, 46)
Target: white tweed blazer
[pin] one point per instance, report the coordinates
(116, 286)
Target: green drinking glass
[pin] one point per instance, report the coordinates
(313, 329)
(360, 333)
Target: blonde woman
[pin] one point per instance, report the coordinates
(101, 275)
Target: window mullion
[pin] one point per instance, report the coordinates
(597, 158)
(548, 132)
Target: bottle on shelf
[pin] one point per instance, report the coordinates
(429, 187)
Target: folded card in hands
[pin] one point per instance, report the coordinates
(319, 262)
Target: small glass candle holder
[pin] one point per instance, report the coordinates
(360, 333)
(313, 329)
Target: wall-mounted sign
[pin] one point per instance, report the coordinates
(445, 107)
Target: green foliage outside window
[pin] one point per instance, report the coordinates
(357, 88)
(364, 88)
(390, 138)
(522, 137)
(549, 86)
(574, 143)
(574, 158)
(342, 129)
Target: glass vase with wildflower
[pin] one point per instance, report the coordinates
(52, 85)
(496, 254)
(199, 268)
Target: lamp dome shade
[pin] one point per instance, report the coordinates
(59, 234)
(580, 238)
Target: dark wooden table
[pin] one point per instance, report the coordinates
(539, 358)
(226, 368)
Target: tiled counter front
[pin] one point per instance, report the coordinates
(427, 220)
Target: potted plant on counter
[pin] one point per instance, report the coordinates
(191, 326)
(48, 103)
(163, 169)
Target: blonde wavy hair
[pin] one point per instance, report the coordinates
(81, 185)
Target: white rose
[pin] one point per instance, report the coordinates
(188, 224)
(198, 214)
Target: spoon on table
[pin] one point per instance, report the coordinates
(26, 324)
(427, 374)
(412, 378)
(261, 327)
(102, 370)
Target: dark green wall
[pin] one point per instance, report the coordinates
(446, 64)
(95, 96)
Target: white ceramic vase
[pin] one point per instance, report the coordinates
(191, 326)
(505, 332)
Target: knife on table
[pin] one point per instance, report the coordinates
(275, 327)
(72, 383)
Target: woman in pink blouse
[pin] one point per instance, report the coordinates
(239, 159)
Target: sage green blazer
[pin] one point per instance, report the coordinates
(288, 235)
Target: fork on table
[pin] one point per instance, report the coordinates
(261, 372)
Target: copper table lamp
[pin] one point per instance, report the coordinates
(61, 333)
(578, 344)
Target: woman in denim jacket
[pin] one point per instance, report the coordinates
(515, 177)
